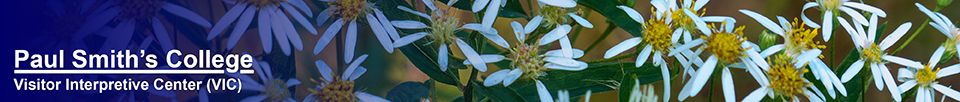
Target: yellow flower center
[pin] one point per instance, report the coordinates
(872, 54)
(658, 34)
(349, 10)
(801, 39)
(443, 25)
(552, 15)
(276, 90)
(335, 91)
(830, 5)
(724, 45)
(926, 76)
(785, 79)
(684, 20)
(527, 59)
(138, 9)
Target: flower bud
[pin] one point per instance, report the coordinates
(767, 39)
(944, 3)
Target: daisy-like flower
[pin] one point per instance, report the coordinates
(529, 63)
(443, 25)
(944, 25)
(726, 46)
(645, 94)
(273, 90)
(688, 16)
(924, 77)
(872, 54)
(340, 88)
(554, 13)
(832, 8)
(784, 79)
(562, 95)
(130, 13)
(350, 11)
(272, 21)
(799, 44)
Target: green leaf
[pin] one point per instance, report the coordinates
(608, 8)
(408, 92)
(498, 92)
(598, 78)
(513, 9)
(626, 87)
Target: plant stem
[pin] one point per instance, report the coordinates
(924, 25)
(468, 91)
(606, 33)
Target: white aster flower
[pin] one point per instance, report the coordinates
(350, 12)
(831, 7)
(645, 94)
(272, 21)
(726, 47)
(274, 90)
(443, 25)
(872, 54)
(784, 79)
(924, 77)
(944, 25)
(131, 13)
(799, 44)
(562, 95)
(492, 8)
(529, 62)
(688, 16)
(340, 87)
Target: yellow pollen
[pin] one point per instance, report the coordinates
(801, 39)
(726, 46)
(138, 9)
(926, 76)
(552, 15)
(443, 25)
(872, 54)
(683, 20)
(527, 59)
(335, 91)
(276, 90)
(785, 79)
(349, 10)
(658, 34)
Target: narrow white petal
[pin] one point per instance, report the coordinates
(903, 61)
(532, 25)
(766, 22)
(256, 98)
(186, 13)
(907, 85)
(492, 35)
(666, 83)
(366, 97)
(479, 5)
(828, 26)
(677, 34)
(323, 16)
(303, 6)
(704, 74)
(542, 91)
(866, 7)
(935, 58)
(324, 69)
(623, 46)
(162, 36)
(577, 53)
(700, 24)
(565, 47)
(947, 91)
(699, 4)
(632, 13)
(756, 95)
(852, 71)
(328, 36)
(443, 59)
(299, 17)
(560, 3)
(292, 82)
(922, 95)
(561, 61)
(280, 33)
(807, 56)
(408, 24)
(226, 19)
(354, 67)
(877, 77)
(892, 86)
(687, 46)
(351, 42)
(578, 67)
(471, 55)
(555, 34)
(380, 33)
(488, 58)
(783, 22)
(403, 8)
(357, 73)
(511, 77)
(644, 54)
(491, 14)
(580, 20)
(429, 4)
(757, 59)
(950, 70)
(905, 74)
(771, 50)
(803, 16)
(263, 25)
(728, 87)
(872, 30)
(495, 78)
(895, 35)
(240, 28)
(292, 34)
(836, 82)
(408, 39)
(518, 30)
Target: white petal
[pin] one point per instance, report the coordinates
(491, 14)
(555, 34)
(518, 30)
(562, 61)
(806, 20)
(935, 58)
(471, 55)
(578, 67)
(292, 82)
(892, 86)
(907, 85)
(162, 36)
(303, 6)
(687, 46)
(904, 74)
(852, 71)
(872, 31)
(351, 42)
(577, 53)
(479, 5)
(828, 26)
(677, 34)
(877, 76)
(380, 33)
(324, 69)
(443, 57)
(757, 59)
(299, 17)
(644, 54)
(560, 3)
(728, 87)
(699, 4)
(413, 12)
(771, 50)
(532, 25)
(895, 35)
(359, 72)
(580, 20)
(366, 97)
(323, 16)
(756, 95)
(429, 4)
(492, 35)
(632, 13)
(783, 22)
(866, 7)
(488, 58)
(495, 78)
(408, 24)
(666, 83)
(256, 98)
(280, 33)
(806, 57)
(354, 66)
(947, 91)
(950, 70)
(922, 95)
(623, 46)
(903, 61)
(836, 82)
(186, 13)
(542, 91)
(226, 19)
(408, 39)
(766, 22)
(703, 74)
(241, 27)
(328, 36)
(566, 47)
(700, 24)
(512, 76)
(292, 34)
